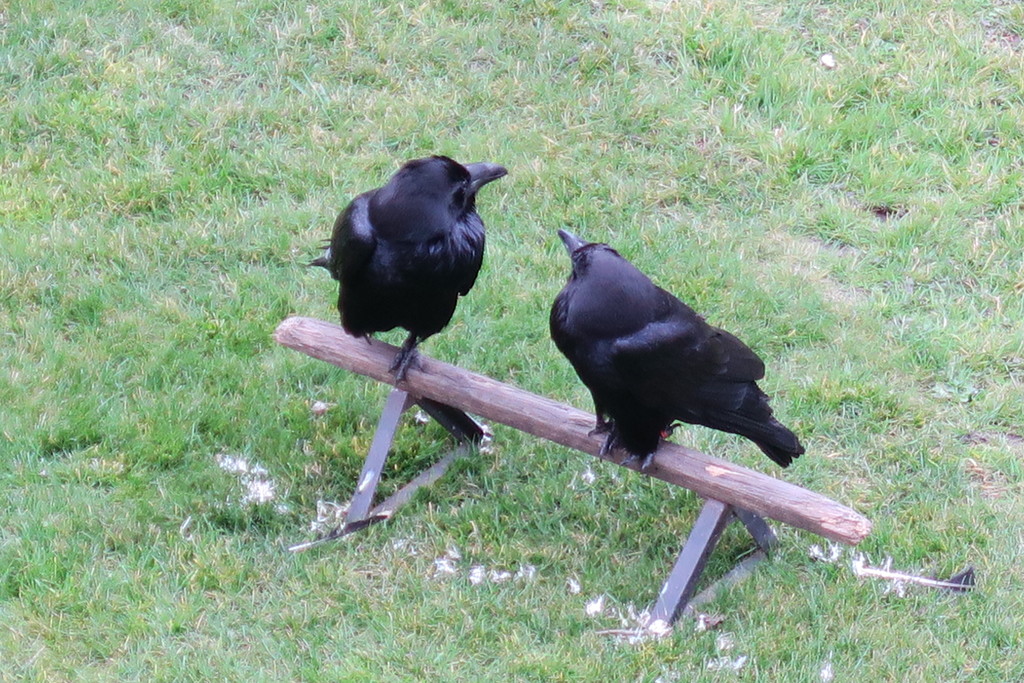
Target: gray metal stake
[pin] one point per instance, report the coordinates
(359, 516)
(366, 488)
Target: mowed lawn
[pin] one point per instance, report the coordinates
(837, 183)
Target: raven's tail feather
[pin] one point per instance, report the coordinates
(771, 436)
(784, 456)
(323, 261)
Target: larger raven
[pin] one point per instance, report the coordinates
(649, 359)
(405, 252)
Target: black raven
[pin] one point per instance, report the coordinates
(403, 253)
(649, 360)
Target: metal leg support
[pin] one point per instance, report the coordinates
(460, 425)
(396, 404)
(682, 581)
(758, 528)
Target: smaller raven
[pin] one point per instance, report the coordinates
(649, 360)
(405, 252)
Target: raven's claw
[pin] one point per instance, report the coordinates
(645, 460)
(601, 426)
(404, 358)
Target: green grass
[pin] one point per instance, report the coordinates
(167, 167)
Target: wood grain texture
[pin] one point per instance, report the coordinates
(492, 400)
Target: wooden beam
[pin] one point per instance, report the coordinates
(706, 475)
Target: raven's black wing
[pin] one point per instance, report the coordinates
(679, 361)
(353, 242)
(475, 245)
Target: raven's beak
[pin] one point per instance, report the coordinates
(571, 241)
(482, 173)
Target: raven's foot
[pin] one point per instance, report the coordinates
(601, 426)
(667, 431)
(645, 460)
(402, 362)
(404, 358)
(610, 441)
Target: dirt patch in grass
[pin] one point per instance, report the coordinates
(992, 483)
(1011, 439)
(806, 254)
(885, 212)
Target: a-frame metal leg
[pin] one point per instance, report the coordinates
(758, 528)
(397, 402)
(682, 581)
(459, 424)
(679, 588)
(360, 515)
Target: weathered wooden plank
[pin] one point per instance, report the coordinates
(706, 475)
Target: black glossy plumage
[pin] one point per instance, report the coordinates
(649, 360)
(405, 252)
